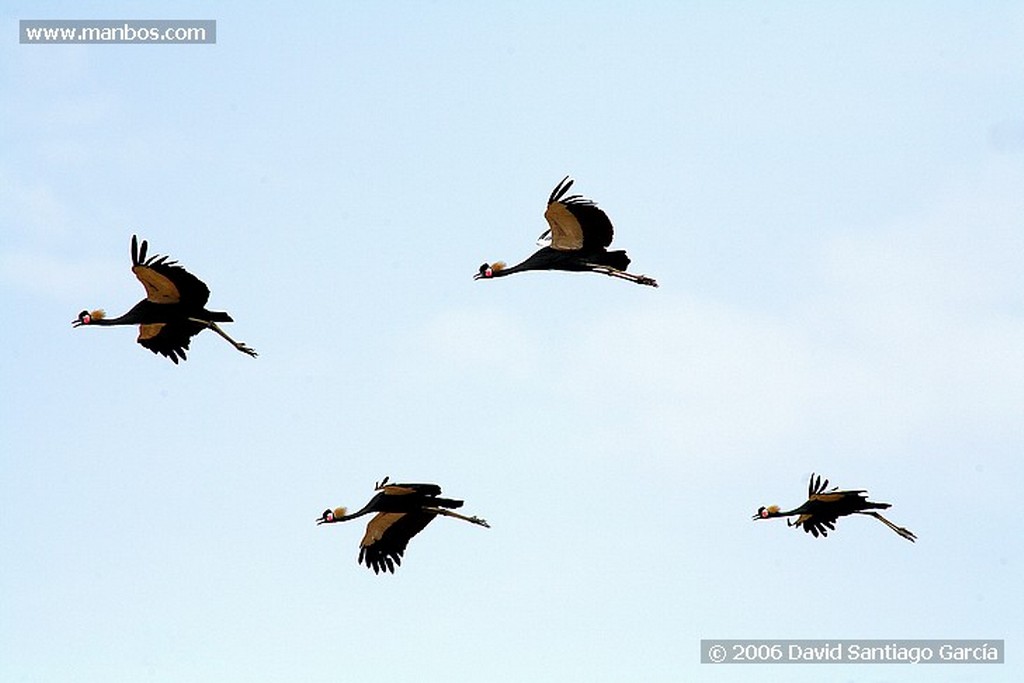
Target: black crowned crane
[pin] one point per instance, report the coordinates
(824, 506)
(173, 311)
(403, 510)
(577, 240)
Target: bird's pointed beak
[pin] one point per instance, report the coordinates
(756, 517)
(76, 323)
(478, 276)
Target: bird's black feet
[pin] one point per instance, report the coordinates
(246, 349)
(644, 280)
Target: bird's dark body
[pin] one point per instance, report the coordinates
(843, 503)
(147, 312)
(818, 516)
(424, 494)
(548, 258)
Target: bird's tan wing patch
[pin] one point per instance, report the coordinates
(149, 331)
(395, 490)
(566, 233)
(378, 526)
(159, 288)
(829, 497)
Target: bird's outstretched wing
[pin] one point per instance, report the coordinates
(816, 524)
(576, 223)
(168, 339)
(165, 281)
(386, 537)
(816, 485)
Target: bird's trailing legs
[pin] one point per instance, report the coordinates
(905, 533)
(456, 515)
(216, 328)
(615, 272)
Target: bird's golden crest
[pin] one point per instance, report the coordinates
(340, 512)
(98, 314)
(772, 508)
(498, 265)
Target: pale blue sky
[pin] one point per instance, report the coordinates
(829, 195)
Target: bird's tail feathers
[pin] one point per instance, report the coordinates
(447, 503)
(615, 259)
(220, 317)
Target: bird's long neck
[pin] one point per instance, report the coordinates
(135, 316)
(789, 513)
(358, 513)
(126, 319)
(518, 268)
(534, 261)
(509, 270)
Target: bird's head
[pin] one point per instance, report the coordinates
(767, 512)
(330, 516)
(489, 270)
(86, 317)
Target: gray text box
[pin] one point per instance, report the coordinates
(118, 31)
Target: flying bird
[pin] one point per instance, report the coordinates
(403, 510)
(173, 311)
(576, 240)
(823, 507)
